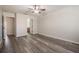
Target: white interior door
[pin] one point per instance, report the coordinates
(10, 25)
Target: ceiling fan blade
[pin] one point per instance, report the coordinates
(43, 9)
(30, 9)
(35, 8)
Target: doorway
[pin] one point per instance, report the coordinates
(9, 26)
(28, 25)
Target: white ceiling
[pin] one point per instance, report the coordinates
(25, 8)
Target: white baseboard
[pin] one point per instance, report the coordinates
(59, 38)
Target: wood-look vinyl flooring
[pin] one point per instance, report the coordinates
(38, 44)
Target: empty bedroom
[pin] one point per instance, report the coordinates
(39, 28)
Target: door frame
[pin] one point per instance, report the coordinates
(3, 27)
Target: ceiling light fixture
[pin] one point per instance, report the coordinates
(38, 9)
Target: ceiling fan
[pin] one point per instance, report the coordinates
(37, 9)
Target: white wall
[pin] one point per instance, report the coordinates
(62, 24)
(21, 24)
(8, 14)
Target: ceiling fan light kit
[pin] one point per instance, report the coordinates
(37, 9)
